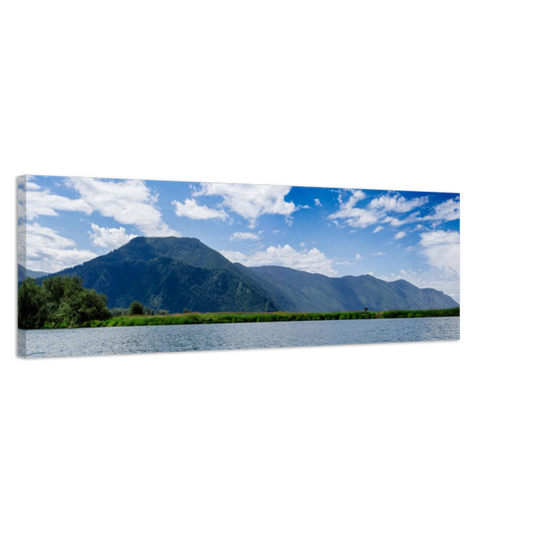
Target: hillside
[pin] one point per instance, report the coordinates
(176, 273)
(171, 273)
(298, 291)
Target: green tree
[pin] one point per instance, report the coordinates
(60, 300)
(82, 307)
(31, 305)
(60, 293)
(93, 306)
(136, 308)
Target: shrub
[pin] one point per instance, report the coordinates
(136, 308)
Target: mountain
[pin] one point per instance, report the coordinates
(174, 273)
(294, 290)
(24, 273)
(298, 291)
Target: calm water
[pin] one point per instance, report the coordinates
(146, 339)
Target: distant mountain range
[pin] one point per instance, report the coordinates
(175, 273)
(24, 273)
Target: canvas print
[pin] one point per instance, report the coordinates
(122, 266)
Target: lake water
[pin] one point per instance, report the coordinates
(149, 339)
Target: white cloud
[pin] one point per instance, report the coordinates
(317, 202)
(242, 236)
(376, 211)
(354, 216)
(236, 257)
(358, 257)
(31, 185)
(250, 201)
(127, 201)
(36, 201)
(435, 238)
(399, 235)
(357, 195)
(397, 222)
(445, 212)
(442, 249)
(313, 261)
(361, 218)
(192, 209)
(345, 209)
(109, 238)
(396, 203)
(42, 248)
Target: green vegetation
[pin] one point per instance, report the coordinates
(419, 314)
(226, 318)
(120, 311)
(59, 302)
(233, 318)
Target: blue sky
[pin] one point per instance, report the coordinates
(336, 232)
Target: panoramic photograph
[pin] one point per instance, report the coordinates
(221, 266)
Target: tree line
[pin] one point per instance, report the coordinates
(59, 301)
(62, 301)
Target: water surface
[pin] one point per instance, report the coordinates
(191, 337)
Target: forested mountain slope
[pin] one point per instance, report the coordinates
(172, 273)
(294, 290)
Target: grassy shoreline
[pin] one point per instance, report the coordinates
(232, 318)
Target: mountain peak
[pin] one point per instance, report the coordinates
(188, 250)
(168, 238)
(404, 283)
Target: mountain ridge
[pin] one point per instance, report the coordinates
(23, 273)
(177, 273)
